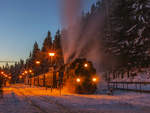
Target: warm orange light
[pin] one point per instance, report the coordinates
(26, 72)
(86, 65)
(20, 77)
(30, 71)
(51, 54)
(6, 75)
(78, 80)
(9, 77)
(94, 79)
(2, 72)
(37, 62)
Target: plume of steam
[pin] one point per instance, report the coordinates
(78, 41)
(71, 10)
(71, 18)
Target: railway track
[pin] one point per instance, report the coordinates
(61, 108)
(32, 103)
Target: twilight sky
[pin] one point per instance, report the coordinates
(22, 22)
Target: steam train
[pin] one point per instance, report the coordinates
(78, 76)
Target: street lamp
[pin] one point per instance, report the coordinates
(37, 62)
(85, 65)
(5, 75)
(26, 72)
(9, 77)
(51, 54)
(94, 79)
(20, 77)
(78, 80)
(30, 71)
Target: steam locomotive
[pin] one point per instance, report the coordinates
(78, 76)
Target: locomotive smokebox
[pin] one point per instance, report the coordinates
(80, 76)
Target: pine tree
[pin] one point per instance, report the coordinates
(36, 51)
(122, 42)
(33, 57)
(58, 49)
(47, 44)
(47, 47)
(36, 54)
(127, 38)
(142, 29)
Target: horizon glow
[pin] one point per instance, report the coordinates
(23, 22)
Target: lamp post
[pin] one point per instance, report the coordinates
(37, 62)
(51, 54)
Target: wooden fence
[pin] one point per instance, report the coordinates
(131, 86)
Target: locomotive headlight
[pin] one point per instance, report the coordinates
(94, 79)
(78, 80)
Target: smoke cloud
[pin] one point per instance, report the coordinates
(81, 41)
(71, 13)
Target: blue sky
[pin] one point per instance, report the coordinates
(22, 22)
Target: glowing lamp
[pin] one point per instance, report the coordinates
(26, 72)
(94, 79)
(37, 62)
(51, 54)
(2, 72)
(30, 71)
(78, 80)
(20, 77)
(86, 65)
(6, 75)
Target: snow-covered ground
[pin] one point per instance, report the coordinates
(23, 99)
